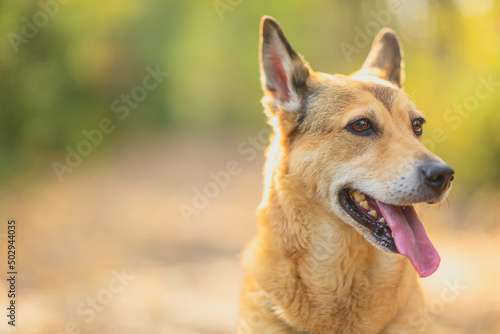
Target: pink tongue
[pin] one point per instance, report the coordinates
(410, 238)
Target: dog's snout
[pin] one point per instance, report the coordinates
(437, 175)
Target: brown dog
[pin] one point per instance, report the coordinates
(344, 168)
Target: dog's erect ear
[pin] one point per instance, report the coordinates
(283, 72)
(385, 59)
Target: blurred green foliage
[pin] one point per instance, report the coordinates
(65, 78)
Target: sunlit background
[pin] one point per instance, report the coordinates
(116, 115)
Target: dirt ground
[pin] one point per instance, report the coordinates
(108, 251)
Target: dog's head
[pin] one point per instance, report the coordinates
(356, 141)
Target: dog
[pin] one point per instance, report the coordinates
(339, 246)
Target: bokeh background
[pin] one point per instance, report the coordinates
(119, 208)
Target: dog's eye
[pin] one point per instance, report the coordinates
(360, 125)
(417, 126)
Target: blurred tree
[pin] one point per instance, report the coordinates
(65, 76)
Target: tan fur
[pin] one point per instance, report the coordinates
(309, 269)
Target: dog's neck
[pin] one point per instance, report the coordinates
(317, 267)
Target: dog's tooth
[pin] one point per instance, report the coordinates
(358, 196)
(392, 235)
(382, 220)
(373, 213)
(364, 205)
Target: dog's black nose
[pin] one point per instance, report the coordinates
(437, 175)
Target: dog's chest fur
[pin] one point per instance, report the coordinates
(337, 283)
